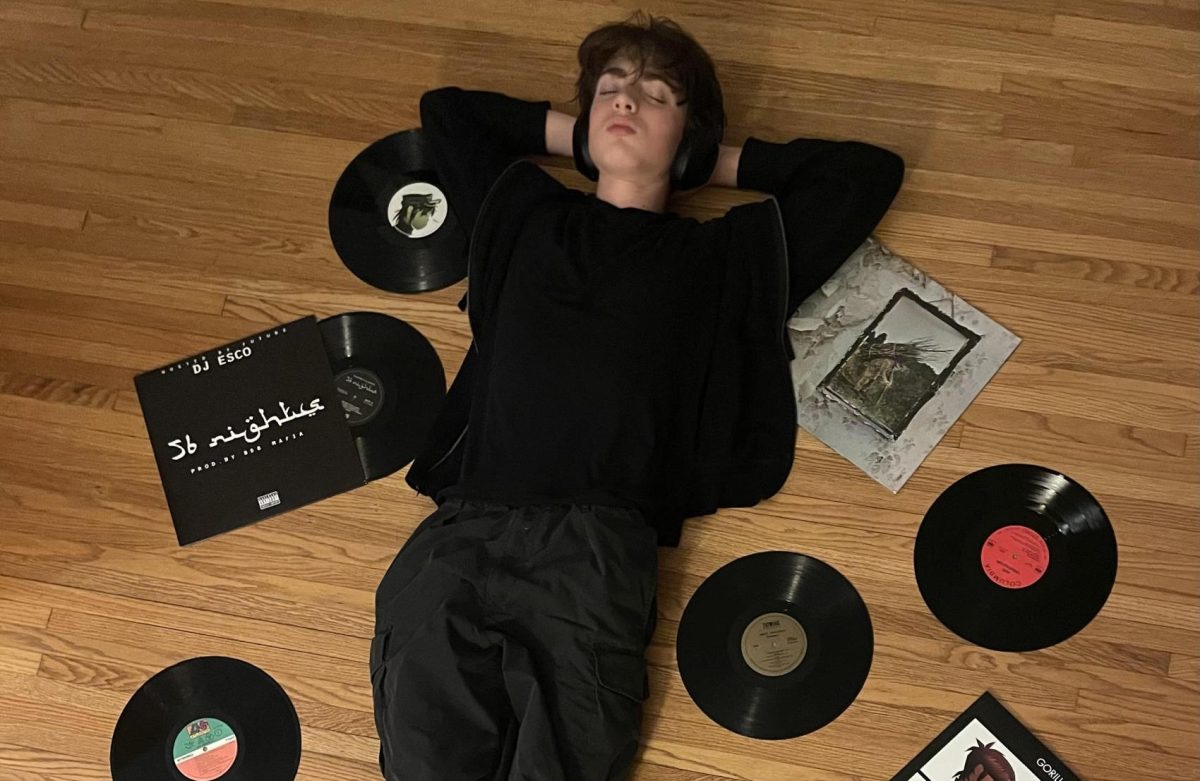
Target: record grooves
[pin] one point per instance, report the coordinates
(774, 645)
(211, 718)
(390, 383)
(1015, 557)
(391, 223)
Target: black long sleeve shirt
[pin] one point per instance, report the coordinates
(607, 338)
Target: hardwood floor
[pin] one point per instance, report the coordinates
(165, 170)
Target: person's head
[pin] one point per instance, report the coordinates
(649, 74)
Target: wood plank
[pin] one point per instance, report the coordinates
(1130, 273)
(165, 175)
(42, 214)
(1067, 26)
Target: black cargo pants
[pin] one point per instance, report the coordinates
(510, 644)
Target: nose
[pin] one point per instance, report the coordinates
(623, 100)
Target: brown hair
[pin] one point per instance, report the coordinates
(659, 47)
(991, 760)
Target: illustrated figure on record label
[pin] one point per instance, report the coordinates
(629, 369)
(414, 212)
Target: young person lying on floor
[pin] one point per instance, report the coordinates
(629, 369)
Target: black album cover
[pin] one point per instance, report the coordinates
(986, 743)
(248, 430)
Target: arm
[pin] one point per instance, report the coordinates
(559, 127)
(474, 135)
(832, 195)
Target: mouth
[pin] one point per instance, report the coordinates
(620, 128)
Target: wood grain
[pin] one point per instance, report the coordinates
(165, 171)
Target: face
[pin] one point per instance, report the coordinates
(653, 119)
(979, 774)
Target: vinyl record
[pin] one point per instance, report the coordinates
(211, 718)
(1015, 557)
(774, 645)
(390, 383)
(391, 222)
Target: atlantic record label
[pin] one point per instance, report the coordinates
(391, 222)
(210, 718)
(390, 384)
(774, 645)
(1015, 557)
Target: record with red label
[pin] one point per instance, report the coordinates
(1015, 557)
(211, 718)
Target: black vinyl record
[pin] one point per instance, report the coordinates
(390, 221)
(390, 383)
(1015, 557)
(774, 645)
(211, 718)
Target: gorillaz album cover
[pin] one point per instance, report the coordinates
(248, 430)
(986, 743)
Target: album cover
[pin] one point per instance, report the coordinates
(248, 430)
(986, 743)
(886, 360)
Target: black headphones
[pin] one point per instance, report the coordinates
(694, 160)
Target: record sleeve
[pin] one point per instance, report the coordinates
(886, 360)
(248, 430)
(986, 742)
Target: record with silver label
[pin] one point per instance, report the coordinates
(390, 384)
(774, 645)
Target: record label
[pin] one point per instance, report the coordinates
(1015, 556)
(774, 644)
(205, 749)
(361, 393)
(417, 209)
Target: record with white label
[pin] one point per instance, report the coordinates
(390, 221)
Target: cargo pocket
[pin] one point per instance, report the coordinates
(621, 671)
(622, 686)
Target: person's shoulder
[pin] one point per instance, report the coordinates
(530, 179)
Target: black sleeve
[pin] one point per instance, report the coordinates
(832, 195)
(474, 136)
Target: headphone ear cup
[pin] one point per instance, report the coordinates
(579, 144)
(696, 158)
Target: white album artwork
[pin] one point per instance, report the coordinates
(886, 360)
(974, 754)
